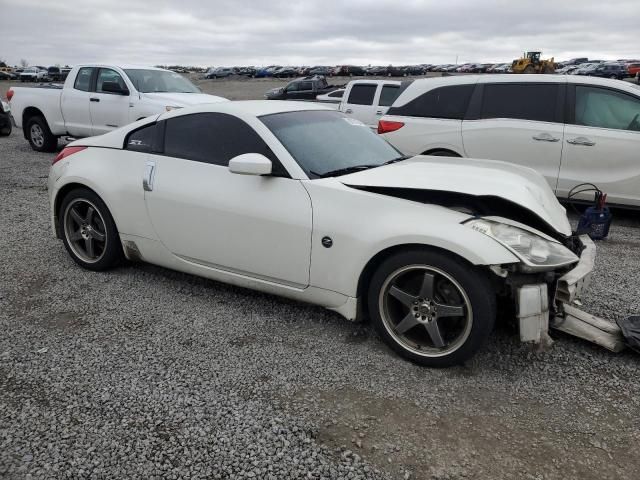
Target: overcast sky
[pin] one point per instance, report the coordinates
(306, 32)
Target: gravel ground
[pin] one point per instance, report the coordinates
(147, 373)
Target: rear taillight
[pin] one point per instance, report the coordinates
(386, 126)
(10, 94)
(66, 152)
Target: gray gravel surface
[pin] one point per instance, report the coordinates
(147, 373)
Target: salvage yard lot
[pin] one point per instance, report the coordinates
(144, 372)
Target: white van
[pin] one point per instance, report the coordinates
(571, 129)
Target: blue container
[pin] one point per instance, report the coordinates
(595, 222)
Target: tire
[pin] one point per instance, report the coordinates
(6, 131)
(614, 77)
(548, 70)
(104, 254)
(431, 308)
(529, 69)
(39, 135)
(442, 153)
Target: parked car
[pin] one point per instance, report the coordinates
(349, 71)
(586, 68)
(306, 88)
(326, 71)
(338, 219)
(332, 97)
(33, 74)
(247, 71)
(378, 71)
(567, 70)
(5, 119)
(6, 75)
(633, 69)
(368, 100)
(98, 98)
(570, 129)
(610, 70)
(219, 72)
(285, 72)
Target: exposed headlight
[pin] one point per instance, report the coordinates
(168, 108)
(536, 252)
(6, 107)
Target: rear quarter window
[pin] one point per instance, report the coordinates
(141, 140)
(443, 102)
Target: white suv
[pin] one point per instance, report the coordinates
(571, 129)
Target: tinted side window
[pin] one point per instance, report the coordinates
(362, 94)
(337, 94)
(83, 79)
(526, 101)
(604, 108)
(108, 75)
(141, 140)
(388, 95)
(305, 86)
(443, 102)
(214, 138)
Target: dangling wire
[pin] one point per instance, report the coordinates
(590, 187)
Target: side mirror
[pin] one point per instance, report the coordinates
(114, 87)
(250, 164)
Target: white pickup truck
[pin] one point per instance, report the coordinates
(96, 99)
(368, 100)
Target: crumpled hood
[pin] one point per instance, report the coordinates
(183, 99)
(520, 185)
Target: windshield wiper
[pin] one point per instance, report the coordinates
(343, 171)
(396, 160)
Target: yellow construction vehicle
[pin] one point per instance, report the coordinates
(531, 63)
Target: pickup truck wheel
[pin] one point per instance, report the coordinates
(39, 135)
(88, 231)
(6, 131)
(431, 308)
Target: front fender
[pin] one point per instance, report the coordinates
(362, 224)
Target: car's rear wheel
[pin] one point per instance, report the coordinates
(88, 231)
(39, 135)
(431, 308)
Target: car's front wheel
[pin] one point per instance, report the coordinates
(431, 308)
(88, 231)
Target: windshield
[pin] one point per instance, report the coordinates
(324, 141)
(153, 81)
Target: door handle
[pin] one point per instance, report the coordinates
(348, 110)
(94, 99)
(581, 141)
(147, 180)
(545, 137)
(379, 112)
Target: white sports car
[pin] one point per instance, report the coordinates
(298, 200)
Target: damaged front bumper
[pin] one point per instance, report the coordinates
(536, 310)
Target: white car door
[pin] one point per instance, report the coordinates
(602, 144)
(359, 103)
(75, 104)
(518, 123)
(109, 110)
(258, 226)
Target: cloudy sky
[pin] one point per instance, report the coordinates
(308, 32)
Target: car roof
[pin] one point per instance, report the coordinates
(121, 66)
(392, 82)
(420, 86)
(252, 108)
